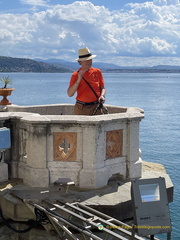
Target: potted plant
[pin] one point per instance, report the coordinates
(5, 91)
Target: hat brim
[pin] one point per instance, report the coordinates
(86, 58)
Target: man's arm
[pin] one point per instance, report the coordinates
(102, 97)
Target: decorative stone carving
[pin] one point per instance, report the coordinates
(114, 143)
(65, 145)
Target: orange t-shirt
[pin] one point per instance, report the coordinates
(95, 78)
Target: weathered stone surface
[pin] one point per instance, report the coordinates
(3, 172)
(14, 208)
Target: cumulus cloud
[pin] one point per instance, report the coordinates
(149, 29)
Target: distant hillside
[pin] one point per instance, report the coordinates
(75, 65)
(168, 67)
(154, 69)
(10, 64)
(109, 67)
(71, 66)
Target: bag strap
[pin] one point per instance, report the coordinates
(90, 87)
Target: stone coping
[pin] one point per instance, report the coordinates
(48, 113)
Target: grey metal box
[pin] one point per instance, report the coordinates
(150, 206)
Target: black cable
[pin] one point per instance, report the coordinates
(41, 218)
(6, 222)
(1, 157)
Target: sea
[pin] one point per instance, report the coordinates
(158, 94)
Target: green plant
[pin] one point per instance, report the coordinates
(6, 81)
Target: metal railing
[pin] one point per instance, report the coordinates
(78, 221)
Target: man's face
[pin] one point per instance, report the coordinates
(86, 64)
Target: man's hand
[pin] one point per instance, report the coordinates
(81, 73)
(101, 99)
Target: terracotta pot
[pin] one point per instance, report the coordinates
(4, 92)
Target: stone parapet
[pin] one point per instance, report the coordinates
(49, 143)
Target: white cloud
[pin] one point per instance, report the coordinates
(165, 2)
(156, 46)
(35, 2)
(139, 30)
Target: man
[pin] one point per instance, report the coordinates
(88, 82)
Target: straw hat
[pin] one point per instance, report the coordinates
(85, 54)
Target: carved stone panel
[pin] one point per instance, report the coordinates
(114, 143)
(65, 145)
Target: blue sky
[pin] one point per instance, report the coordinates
(124, 32)
(19, 6)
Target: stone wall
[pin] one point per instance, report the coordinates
(50, 143)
